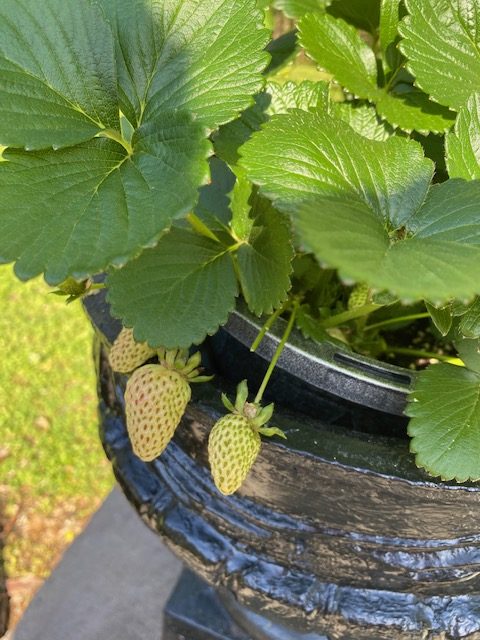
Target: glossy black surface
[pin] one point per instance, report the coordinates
(195, 612)
(335, 532)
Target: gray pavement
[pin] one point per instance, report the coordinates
(111, 584)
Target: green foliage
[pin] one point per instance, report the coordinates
(306, 95)
(463, 144)
(100, 202)
(388, 33)
(337, 47)
(445, 424)
(92, 205)
(363, 119)
(301, 156)
(276, 98)
(297, 8)
(441, 317)
(55, 100)
(187, 280)
(441, 42)
(379, 197)
(162, 144)
(386, 255)
(469, 324)
(190, 280)
(363, 14)
(264, 261)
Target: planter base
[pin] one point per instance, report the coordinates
(195, 611)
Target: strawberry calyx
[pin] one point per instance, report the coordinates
(187, 366)
(256, 415)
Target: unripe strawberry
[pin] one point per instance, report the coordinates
(234, 441)
(233, 447)
(359, 296)
(126, 354)
(155, 401)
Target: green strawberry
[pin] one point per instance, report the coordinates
(155, 401)
(359, 296)
(233, 447)
(234, 441)
(126, 354)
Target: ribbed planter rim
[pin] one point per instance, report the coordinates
(327, 366)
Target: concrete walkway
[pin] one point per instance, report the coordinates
(111, 584)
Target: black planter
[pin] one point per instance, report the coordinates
(335, 535)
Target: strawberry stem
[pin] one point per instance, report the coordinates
(117, 137)
(278, 352)
(268, 324)
(427, 355)
(398, 319)
(200, 227)
(346, 316)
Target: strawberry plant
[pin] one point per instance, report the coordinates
(329, 175)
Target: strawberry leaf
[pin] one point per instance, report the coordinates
(301, 155)
(281, 50)
(363, 119)
(275, 99)
(363, 14)
(304, 95)
(177, 293)
(297, 8)
(179, 70)
(442, 317)
(57, 74)
(388, 33)
(445, 422)
(310, 326)
(441, 43)
(442, 237)
(463, 144)
(93, 205)
(230, 137)
(213, 206)
(337, 47)
(264, 262)
(410, 109)
(367, 214)
(469, 325)
(242, 222)
(203, 57)
(469, 351)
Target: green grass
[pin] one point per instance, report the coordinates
(48, 421)
(53, 472)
